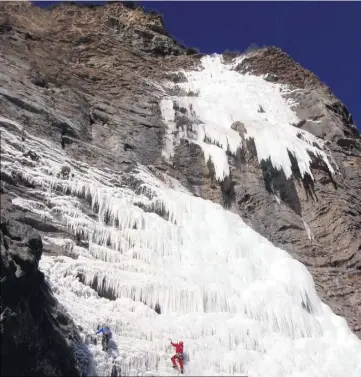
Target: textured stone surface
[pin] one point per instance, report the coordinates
(84, 77)
(37, 335)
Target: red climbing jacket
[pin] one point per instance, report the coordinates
(178, 347)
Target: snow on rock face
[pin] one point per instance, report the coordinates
(163, 264)
(221, 96)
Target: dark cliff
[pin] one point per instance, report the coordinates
(37, 336)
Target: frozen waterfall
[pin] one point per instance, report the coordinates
(158, 263)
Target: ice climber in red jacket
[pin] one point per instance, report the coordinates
(178, 356)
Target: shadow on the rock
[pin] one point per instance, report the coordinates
(275, 181)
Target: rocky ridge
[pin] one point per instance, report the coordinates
(88, 79)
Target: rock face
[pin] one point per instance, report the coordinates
(88, 80)
(37, 336)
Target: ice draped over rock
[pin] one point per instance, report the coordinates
(154, 262)
(216, 96)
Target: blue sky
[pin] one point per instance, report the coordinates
(324, 37)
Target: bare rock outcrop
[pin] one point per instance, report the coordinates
(37, 335)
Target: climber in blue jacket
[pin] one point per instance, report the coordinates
(107, 334)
